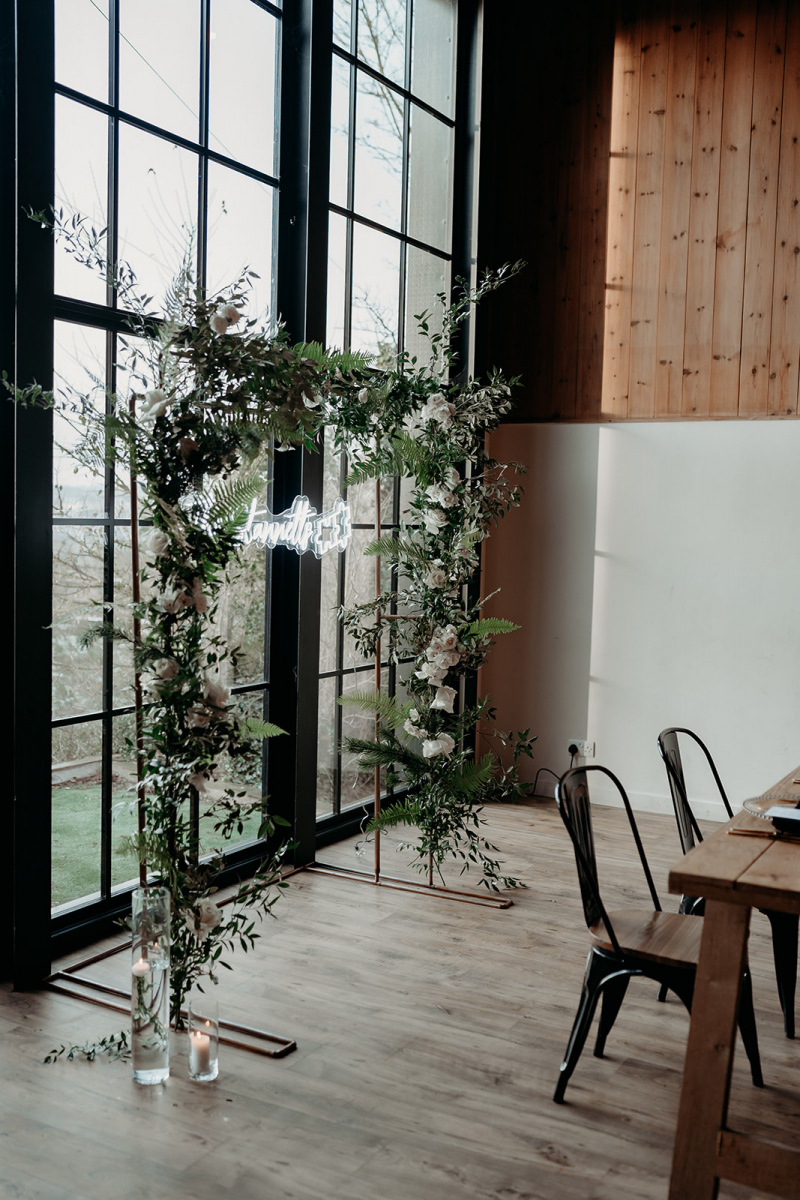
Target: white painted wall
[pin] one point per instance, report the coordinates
(655, 569)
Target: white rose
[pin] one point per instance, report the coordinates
(452, 477)
(172, 600)
(230, 313)
(436, 578)
(435, 520)
(443, 744)
(157, 543)
(449, 637)
(438, 409)
(414, 730)
(444, 699)
(219, 323)
(363, 396)
(215, 694)
(155, 405)
(431, 673)
(165, 668)
(202, 918)
(414, 715)
(446, 659)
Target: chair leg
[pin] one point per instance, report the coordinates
(747, 1028)
(598, 968)
(784, 951)
(613, 995)
(662, 993)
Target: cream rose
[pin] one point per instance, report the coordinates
(443, 744)
(203, 918)
(215, 694)
(155, 404)
(165, 668)
(444, 699)
(157, 543)
(435, 520)
(436, 578)
(438, 409)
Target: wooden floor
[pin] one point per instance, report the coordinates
(430, 1035)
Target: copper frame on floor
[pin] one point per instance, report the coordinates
(69, 983)
(375, 877)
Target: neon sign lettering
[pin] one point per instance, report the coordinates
(301, 527)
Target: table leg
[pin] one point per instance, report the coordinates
(709, 1051)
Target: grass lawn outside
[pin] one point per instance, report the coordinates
(76, 841)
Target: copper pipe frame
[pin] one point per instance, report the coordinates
(408, 885)
(136, 596)
(59, 982)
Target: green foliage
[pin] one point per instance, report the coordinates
(491, 627)
(261, 729)
(385, 707)
(116, 1046)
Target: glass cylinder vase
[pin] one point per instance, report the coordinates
(203, 1037)
(150, 925)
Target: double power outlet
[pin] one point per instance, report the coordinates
(585, 749)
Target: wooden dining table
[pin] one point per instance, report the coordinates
(741, 866)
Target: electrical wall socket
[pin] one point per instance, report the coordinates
(585, 748)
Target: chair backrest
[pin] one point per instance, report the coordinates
(669, 749)
(572, 798)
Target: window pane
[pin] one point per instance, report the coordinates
(240, 235)
(340, 125)
(79, 366)
(124, 818)
(81, 183)
(76, 812)
(77, 597)
(379, 152)
(123, 614)
(82, 46)
(242, 775)
(342, 20)
(241, 614)
(327, 746)
(433, 53)
(382, 37)
(376, 274)
(358, 785)
(157, 208)
(159, 63)
(242, 83)
(429, 176)
(426, 277)
(337, 254)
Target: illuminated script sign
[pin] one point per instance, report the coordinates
(300, 528)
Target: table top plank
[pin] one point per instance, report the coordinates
(759, 871)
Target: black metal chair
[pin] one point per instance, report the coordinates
(658, 945)
(785, 926)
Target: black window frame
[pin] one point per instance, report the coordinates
(27, 302)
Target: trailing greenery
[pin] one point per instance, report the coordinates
(424, 421)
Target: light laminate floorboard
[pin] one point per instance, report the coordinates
(430, 1035)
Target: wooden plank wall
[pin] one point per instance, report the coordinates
(674, 285)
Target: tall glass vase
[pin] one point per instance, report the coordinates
(150, 984)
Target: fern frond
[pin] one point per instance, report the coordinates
(399, 550)
(231, 501)
(385, 707)
(105, 630)
(313, 350)
(491, 627)
(473, 777)
(406, 456)
(260, 729)
(349, 360)
(406, 812)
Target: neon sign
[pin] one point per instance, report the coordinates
(301, 527)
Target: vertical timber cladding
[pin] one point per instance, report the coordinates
(686, 135)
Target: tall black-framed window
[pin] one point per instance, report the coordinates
(390, 213)
(158, 165)
(149, 145)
